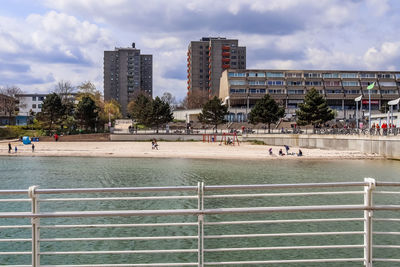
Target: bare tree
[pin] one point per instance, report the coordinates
(10, 103)
(64, 89)
(167, 97)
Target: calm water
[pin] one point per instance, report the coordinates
(22, 172)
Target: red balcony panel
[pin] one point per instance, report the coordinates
(226, 66)
(225, 47)
(226, 59)
(188, 87)
(226, 54)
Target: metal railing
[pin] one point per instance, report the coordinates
(200, 225)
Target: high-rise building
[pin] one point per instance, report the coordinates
(126, 74)
(207, 59)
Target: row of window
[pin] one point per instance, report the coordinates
(39, 105)
(39, 98)
(310, 83)
(301, 92)
(314, 75)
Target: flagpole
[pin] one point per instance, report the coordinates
(369, 107)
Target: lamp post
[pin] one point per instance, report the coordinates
(369, 88)
(358, 99)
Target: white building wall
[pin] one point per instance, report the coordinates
(29, 102)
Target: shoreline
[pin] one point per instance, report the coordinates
(189, 150)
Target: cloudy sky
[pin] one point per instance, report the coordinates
(46, 41)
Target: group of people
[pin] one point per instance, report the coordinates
(16, 148)
(287, 148)
(377, 128)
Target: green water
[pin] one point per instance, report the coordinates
(46, 172)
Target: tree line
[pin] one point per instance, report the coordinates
(314, 111)
(74, 110)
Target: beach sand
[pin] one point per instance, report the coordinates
(245, 151)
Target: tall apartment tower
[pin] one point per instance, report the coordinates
(127, 73)
(208, 58)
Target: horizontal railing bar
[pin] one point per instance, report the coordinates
(116, 198)
(15, 200)
(387, 183)
(120, 252)
(281, 186)
(284, 261)
(117, 238)
(285, 194)
(115, 190)
(195, 211)
(16, 253)
(281, 248)
(115, 225)
(14, 192)
(386, 233)
(387, 260)
(125, 265)
(386, 219)
(285, 221)
(386, 192)
(386, 246)
(16, 240)
(15, 226)
(284, 234)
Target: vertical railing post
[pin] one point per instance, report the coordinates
(200, 221)
(368, 221)
(35, 227)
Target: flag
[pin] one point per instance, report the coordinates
(358, 98)
(371, 86)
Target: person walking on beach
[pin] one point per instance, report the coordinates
(287, 149)
(33, 147)
(9, 147)
(16, 149)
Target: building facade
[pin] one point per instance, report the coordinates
(207, 59)
(126, 74)
(242, 88)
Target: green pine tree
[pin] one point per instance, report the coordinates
(314, 110)
(213, 112)
(160, 113)
(53, 111)
(266, 111)
(87, 113)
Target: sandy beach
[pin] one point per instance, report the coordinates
(244, 151)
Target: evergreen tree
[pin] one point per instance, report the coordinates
(266, 111)
(140, 109)
(52, 112)
(86, 113)
(160, 113)
(213, 112)
(314, 110)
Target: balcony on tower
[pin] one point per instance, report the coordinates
(226, 54)
(226, 60)
(226, 66)
(226, 48)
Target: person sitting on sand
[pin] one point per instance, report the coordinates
(280, 152)
(154, 144)
(300, 153)
(270, 151)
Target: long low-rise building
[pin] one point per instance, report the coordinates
(242, 88)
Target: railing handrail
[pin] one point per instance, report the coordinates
(203, 193)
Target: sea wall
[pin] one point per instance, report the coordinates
(166, 137)
(386, 146)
